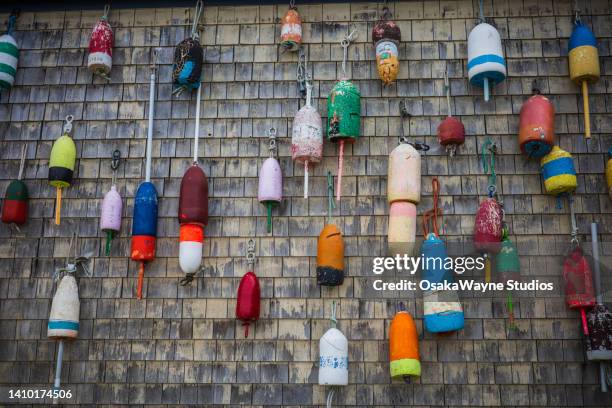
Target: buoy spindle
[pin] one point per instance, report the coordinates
(340, 166)
(587, 114)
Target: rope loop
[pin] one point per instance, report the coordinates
(196, 19)
(292, 5)
(333, 315)
(106, 11)
(432, 213)
(488, 163)
(331, 204)
(12, 20)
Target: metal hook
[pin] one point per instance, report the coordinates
(68, 124)
(116, 159)
(250, 255)
(272, 143)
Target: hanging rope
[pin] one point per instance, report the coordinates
(574, 233)
(432, 214)
(74, 263)
(330, 397)
(24, 150)
(196, 20)
(481, 15)
(331, 204)
(447, 90)
(12, 20)
(488, 164)
(345, 43)
(106, 11)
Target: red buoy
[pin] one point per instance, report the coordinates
(537, 126)
(488, 227)
(249, 293)
(579, 291)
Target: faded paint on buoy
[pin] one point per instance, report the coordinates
(486, 64)
(404, 175)
(100, 59)
(403, 347)
(330, 256)
(537, 126)
(558, 172)
(488, 227)
(401, 234)
(386, 36)
(291, 30)
(65, 310)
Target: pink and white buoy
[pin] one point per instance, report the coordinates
(307, 136)
(100, 59)
(110, 218)
(270, 192)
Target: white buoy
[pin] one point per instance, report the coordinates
(333, 358)
(486, 63)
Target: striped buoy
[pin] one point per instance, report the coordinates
(61, 164)
(558, 172)
(64, 316)
(9, 55)
(404, 346)
(100, 59)
(15, 207)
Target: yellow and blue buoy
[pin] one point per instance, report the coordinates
(583, 65)
(558, 172)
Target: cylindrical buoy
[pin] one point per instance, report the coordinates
(386, 36)
(270, 191)
(488, 227)
(291, 29)
(15, 207)
(65, 309)
(403, 347)
(442, 310)
(9, 55)
(144, 229)
(61, 165)
(330, 256)
(486, 64)
(100, 59)
(193, 200)
(583, 65)
(248, 301)
(307, 136)
(537, 126)
(558, 172)
(333, 356)
(110, 219)
(401, 234)
(404, 175)
(579, 289)
(609, 172)
(343, 120)
(599, 342)
(508, 268)
(191, 238)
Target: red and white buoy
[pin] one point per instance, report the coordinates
(100, 59)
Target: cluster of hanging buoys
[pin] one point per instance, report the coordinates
(100, 59)
(112, 207)
(9, 54)
(144, 222)
(486, 64)
(403, 346)
(537, 126)
(488, 224)
(193, 208)
(330, 247)
(291, 29)
(508, 268)
(599, 321)
(442, 310)
(249, 293)
(15, 207)
(343, 112)
(307, 136)
(61, 165)
(189, 58)
(583, 64)
(558, 172)
(451, 132)
(387, 36)
(403, 194)
(270, 188)
(333, 358)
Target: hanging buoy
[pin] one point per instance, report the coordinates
(144, 223)
(486, 64)
(291, 29)
(333, 357)
(488, 227)
(189, 58)
(61, 165)
(404, 346)
(307, 136)
(15, 207)
(583, 64)
(330, 247)
(9, 54)
(112, 207)
(270, 191)
(451, 132)
(404, 174)
(537, 126)
(100, 59)
(387, 36)
(558, 172)
(343, 112)
(193, 209)
(579, 291)
(442, 310)
(609, 172)
(508, 268)
(249, 294)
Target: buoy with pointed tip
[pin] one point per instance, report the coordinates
(9, 55)
(333, 357)
(15, 206)
(291, 29)
(270, 191)
(486, 64)
(558, 172)
(249, 294)
(61, 165)
(387, 36)
(189, 58)
(330, 246)
(583, 65)
(403, 346)
(144, 223)
(112, 207)
(100, 59)
(307, 136)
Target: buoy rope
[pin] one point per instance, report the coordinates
(345, 43)
(12, 20)
(447, 90)
(330, 397)
(196, 132)
(196, 20)
(481, 15)
(488, 166)
(106, 11)
(331, 204)
(300, 73)
(151, 113)
(292, 4)
(115, 165)
(432, 213)
(333, 315)
(24, 150)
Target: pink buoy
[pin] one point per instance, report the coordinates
(110, 217)
(270, 191)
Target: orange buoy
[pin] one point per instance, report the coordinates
(404, 346)
(537, 126)
(330, 247)
(291, 29)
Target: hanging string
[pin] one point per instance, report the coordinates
(196, 133)
(12, 20)
(488, 149)
(481, 11)
(574, 233)
(447, 90)
(432, 213)
(333, 319)
(24, 150)
(196, 20)
(106, 11)
(330, 397)
(331, 204)
(345, 43)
